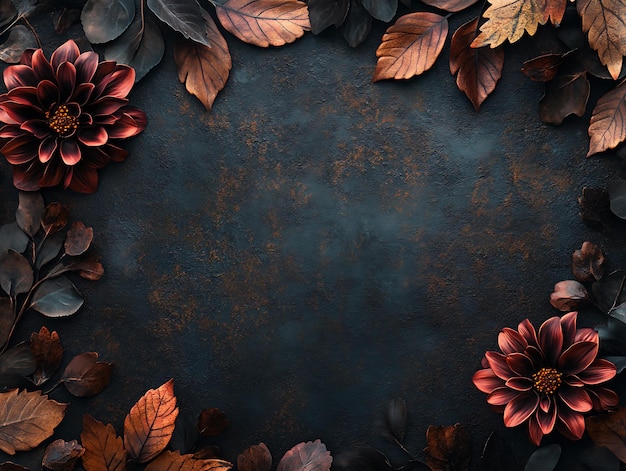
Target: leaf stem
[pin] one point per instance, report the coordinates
(32, 30)
(58, 383)
(11, 24)
(402, 447)
(617, 296)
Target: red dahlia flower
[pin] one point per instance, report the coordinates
(548, 379)
(63, 117)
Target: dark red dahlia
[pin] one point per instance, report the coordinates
(548, 379)
(64, 117)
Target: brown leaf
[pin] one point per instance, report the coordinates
(542, 68)
(609, 430)
(595, 208)
(588, 263)
(607, 127)
(605, 24)
(78, 239)
(9, 466)
(55, 217)
(477, 69)
(255, 458)
(566, 95)
(555, 9)
(410, 46)
(451, 6)
(16, 274)
(27, 419)
(61, 455)
(149, 425)
(568, 295)
(104, 450)
(212, 422)
(29, 212)
(86, 376)
(174, 461)
(88, 268)
(48, 352)
(508, 19)
(203, 70)
(6, 319)
(449, 448)
(309, 456)
(264, 22)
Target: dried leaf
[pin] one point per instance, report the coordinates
(383, 10)
(566, 95)
(208, 452)
(255, 458)
(542, 68)
(149, 425)
(599, 459)
(508, 19)
(609, 430)
(29, 212)
(88, 268)
(555, 10)
(410, 46)
(451, 6)
(27, 419)
(65, 19)
(544, 459)
(309, 456)
(212, 422)
(61, 455)
(55, 218)
(595, 208)
(357, 25)
(174, 461)
(7, 315)
(617, 198)
(203, 70)
(86, 376)
(12, 237)
(7, 13)
(78, 239)
(264, 22)
(477, 69)
(605, 25)
(608, 121)
(9, 466)
(325, 13)
(16, 274)
(362, 459)
(104, 450)
(609, 292)
(17, 361)
(20, 38)
(56, 297)
(449, 448)
(568, 295)
(185, 16)
(497, 455)
(588, 263)
(396, 418)
(105, 20)
(50, 249)
(48, 351)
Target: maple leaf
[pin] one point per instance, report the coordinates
(604, 22)
(477, 69)
(607, 127)
(104, 450)
(509, 19)
(410, 46)
(264, 22)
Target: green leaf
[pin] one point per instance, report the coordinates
(105, 20)
(57, 297)
(16, 274)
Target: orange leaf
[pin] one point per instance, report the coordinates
(264, 22)
(609, 430)
(47, 349)
(149, 425)
(27, 419)
(204, 70)
(608, 121)
(605, 24)
(104, 450)
(410, 46)
(542, 68)
(555, 9)
(449, 447)
(174, 461)
(509, 19)
(450, 5)
(478, 69)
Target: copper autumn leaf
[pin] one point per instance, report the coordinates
(309, 456)
(86, 376)
(174, 461)
(477, 69)
(212, 422)
(264, 22)
(410, 46)
(55, 218)
(588, 263)
(27, 419)
(149, 425)
(204, 70)
(451, 6)
(542, 68)
(508, 19)
(609, 430)
(255, 458)
(61, 455)
(104, 450)
(449, 448)
(78, 239)
(555, 9)
(568, 295)
(48, 351)
(607, 127)
(604, 22)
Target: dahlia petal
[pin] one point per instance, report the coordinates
(67, 52)
(587, 335)
(93, 136)
(37, 127)
(578, 357)
(502, 396)
(573, 423)
(527, 330)
(83, 92)
(598, 372)
(47, 148)
(575, 398)
(128, 125)
(535, 355)
(4, 117)
(520, 364)
(85, 119)
(568, 327)
(603, 398)
(52, 174)
(120, 82)
(20, 150)
(66, 78)
(545, 403)
(105, 106)
(10, 131)
(573, 380)
(23, 96)
(510, 341)
(19, 76)
(47, 94)
(519, 409)
(96, 157)
(86, 66)
(486, 381)
(117, 154)
(41, 67)
(497, 362)
(103, 76)
(70, 152)
(27, 57)
(84, 180)
(20, 113)
(534, 431)
(26, 177)
(546, 420)
(520, 383)
(551, 339)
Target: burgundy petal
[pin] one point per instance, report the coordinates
(20, 150)
(603, 398)
(21, 113)
(93, 136)
(102, 76)
(117, 154)
(41, 67)
(105, 106)
(534, 431)
(486, 381)
(520, 364)
(578, 357)
(47, 94)
(53, 174)
(568, 326)
(27, 57)
(120, 83)
(84, 180)
(545, 403)
(535, 355)
(67, 52)
(510, 341)
(83, 93)
(519, 409)
(95, 157)
(587, 335)
(47, 148)
(10, 131)
(502, 396)
(66, 74)
(23, 96)
(546, 420)
(36, 127)
(573, 380)
(26, 177)
(520, 383)
(598, 372)
(497, 362)
(19, 76)
(575, 398)
(573, 423)
(128, 125)
(70, 152)
(528, 332)
(551, 339)
(86, 66)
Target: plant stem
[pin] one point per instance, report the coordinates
(32, 30)
(617, 296)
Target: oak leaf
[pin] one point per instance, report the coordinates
(605, 24)
(149, 425)
(410, 46)
(27, 419)
(86, 376)
(204, 70)
(609, 430)
(264, 22)
(449, 448)
(174, 461)
(104, 450)
(255, 458)
(48, 351)
(607, 127)
(508, 19)
(477, 69)
(309, 456)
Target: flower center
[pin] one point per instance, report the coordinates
(547, 380)
(61, 121)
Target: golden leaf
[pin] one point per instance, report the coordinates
(27, 419)
(174, 461)
(410, 46)
(149, 425)
(604, 21)
(264, 22)
(104, 450)
(607, 127)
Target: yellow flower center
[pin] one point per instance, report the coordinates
(61, 121)
(547, 380)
